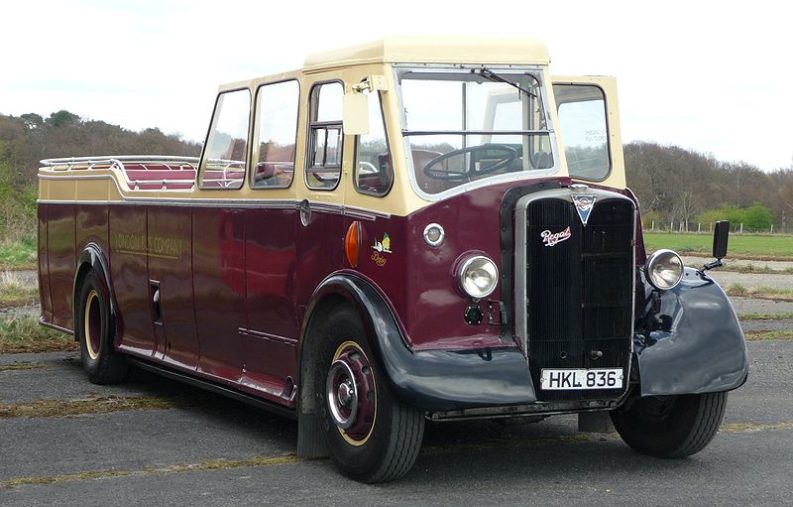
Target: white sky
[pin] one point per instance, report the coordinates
(712, 76)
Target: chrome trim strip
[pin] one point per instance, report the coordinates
(277, 204)
(267, 336)
(44, 323)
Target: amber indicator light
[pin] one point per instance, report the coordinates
(352, 243)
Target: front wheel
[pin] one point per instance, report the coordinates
(670, 426)
(94, 330)
(371, 436)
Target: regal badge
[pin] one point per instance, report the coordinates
(584, 204)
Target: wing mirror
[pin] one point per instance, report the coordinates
(356, 104)
(721, 236)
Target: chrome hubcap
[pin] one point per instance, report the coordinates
(342, 394)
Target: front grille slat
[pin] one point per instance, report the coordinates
(578, 291)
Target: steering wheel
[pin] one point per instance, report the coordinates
(502, 154)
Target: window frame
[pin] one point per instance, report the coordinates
(605, 120)
(255, 131)
(201, 161)
(390, 155)
(310, 124)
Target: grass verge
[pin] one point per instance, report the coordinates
(213, 464)
(768, 335)
(751, 268)
(63, 408)
(737, 289)
(766, 316)
(21, 366)
(23, 333)
(15, 292)
(20, 254)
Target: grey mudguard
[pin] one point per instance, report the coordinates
(693, 343)
(435, 380)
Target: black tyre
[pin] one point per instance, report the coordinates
(95, 331)
(371, 437)
(670, 426)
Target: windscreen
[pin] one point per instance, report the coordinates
(466, 125)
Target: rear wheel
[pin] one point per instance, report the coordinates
(95, 332)
(670, 426)
(370, 436)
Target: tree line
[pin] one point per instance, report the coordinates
(677, 185)
(673, 184)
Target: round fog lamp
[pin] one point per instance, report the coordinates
(664, 269)
(478, 276)
(433, 234)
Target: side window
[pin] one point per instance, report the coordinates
(374, 171)
(223, 165)
(582, 121)
(323, 163)
(276, 119)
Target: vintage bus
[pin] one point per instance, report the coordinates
(413, 229)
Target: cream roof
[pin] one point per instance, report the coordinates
(472, 50)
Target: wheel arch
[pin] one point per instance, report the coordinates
(692, 342)
(338, 289)
(93, 258)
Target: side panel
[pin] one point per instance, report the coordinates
(694, 344)
(171, 264)
(269, 342)
(219, 288)
(129, 272)
(61, 262)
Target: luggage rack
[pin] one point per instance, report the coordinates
(139, 165)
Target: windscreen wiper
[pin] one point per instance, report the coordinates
(492, 76)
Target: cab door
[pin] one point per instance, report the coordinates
(588, 118)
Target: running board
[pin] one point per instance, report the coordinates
(213, 387)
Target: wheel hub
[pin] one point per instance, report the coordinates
(350, 393)
(342, 394)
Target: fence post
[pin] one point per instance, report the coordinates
(652, 227)
(772, 228)
(699, 228)
(672, 226)
(741, 228)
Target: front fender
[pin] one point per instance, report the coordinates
(690, 341)
(432, 380)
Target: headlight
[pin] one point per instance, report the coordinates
(478, 276)
(664, 269)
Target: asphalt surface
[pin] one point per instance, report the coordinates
(200, 448)
(213, 451)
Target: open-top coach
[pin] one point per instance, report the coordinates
(412, 229)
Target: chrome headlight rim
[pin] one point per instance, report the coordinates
(464, 268)
(652, 263)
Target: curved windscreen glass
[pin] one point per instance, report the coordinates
(471, 124)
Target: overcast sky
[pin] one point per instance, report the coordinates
(713, 76)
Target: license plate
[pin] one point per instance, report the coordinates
(581, 378)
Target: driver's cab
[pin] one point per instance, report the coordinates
(465, 118)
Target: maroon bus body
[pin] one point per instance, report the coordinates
(232, 302)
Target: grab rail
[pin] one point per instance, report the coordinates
(141, 162)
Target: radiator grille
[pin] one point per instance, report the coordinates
(578, 291)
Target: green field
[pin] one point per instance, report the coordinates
(741, 245)
(19, 254)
